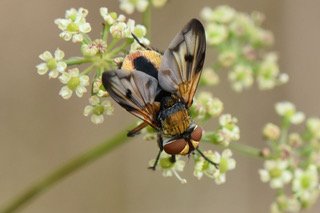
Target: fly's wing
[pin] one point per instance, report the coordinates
(182, 62)
(135, 91)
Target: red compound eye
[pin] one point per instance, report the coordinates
(196, 135)
(175, 147)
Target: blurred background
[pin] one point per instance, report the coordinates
(40, 131)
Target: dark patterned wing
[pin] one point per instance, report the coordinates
(135, 91)
(182, 62)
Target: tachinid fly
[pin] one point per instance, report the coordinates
(159, 89)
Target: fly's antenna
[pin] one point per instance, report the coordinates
(142, 45)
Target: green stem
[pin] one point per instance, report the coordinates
(105, 33)
(245, 149)
(115, 51)
(146, 20)
(76, 61)
(63, 171)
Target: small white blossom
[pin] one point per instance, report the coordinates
(98, 89)
(74, 82)
(209, 77)
(206, 106)
(118, 30)
(241, 77)
(216, 33)
(305, 182)
(203, 167)
(97, 109)
(223, 14)
(74, 25)
(228, 130)
(53, 64)
(288, 111)
(109, 18)
(276, 172)
(129, 6)
(227, 58)
(271, 132)
(313, 125)
(286, 204)
(98, 46)
(170, 168)
(268, 74)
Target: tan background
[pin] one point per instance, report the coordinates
(40, 131)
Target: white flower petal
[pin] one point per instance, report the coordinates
(87, 110)
(42, 68)
(58, 54)
(61, 66)
(84, 80)
(64, 78)
(97, 119)
(77, 38)
(80, 90)
(85, 28)
(65, 36)
(53, 74)
(65, 92)
(46, 56)
(94, 100)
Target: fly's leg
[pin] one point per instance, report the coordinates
(207, 159)
(159, 141)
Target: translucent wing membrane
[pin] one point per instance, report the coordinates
(182, 62)
(135, 91)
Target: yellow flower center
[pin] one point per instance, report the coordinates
(305, 182)
(73, 27)
(98, 110)
(275, 172)
(73, 83)
(165, 163)
(52, 64)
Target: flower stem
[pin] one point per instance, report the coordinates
(245, 149)
(146, 20)
(63, 171)
(76, 60)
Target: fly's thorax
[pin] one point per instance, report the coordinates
(183, 144)
(173, 117)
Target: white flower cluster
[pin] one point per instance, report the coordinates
(288, 111)
(74, 25)
(101, 54)
(228, 130)
(205, 106)
(121, 28)
(293, 160)
(203, 167)
(242, 48)
(129, 6)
